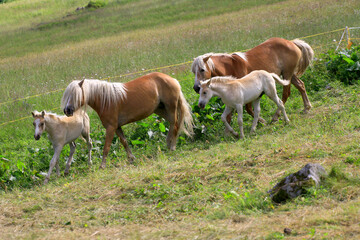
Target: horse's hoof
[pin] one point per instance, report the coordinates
(102, 166)
(274, 120)
(262, 121)
(132, 159)
(305, 111)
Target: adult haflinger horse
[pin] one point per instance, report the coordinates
(285, 58)
(118, 104)
(237, 92)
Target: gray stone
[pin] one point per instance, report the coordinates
(295, 184)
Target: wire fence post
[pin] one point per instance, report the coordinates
(342, 36)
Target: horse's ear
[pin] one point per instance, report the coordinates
(206, 58)
(81, 82)
(43, 113)
(33, 114)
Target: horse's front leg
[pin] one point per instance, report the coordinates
(239, 109)
(110, 132)
(69, 161)
(228, 128)
(54, 160)
(123, 141)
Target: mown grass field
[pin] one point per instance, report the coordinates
(212, 186)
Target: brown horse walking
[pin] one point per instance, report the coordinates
(285, 58)
(118, 104)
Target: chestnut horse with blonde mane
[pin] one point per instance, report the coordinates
(118, 104)
(285, 58)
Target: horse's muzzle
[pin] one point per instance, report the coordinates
(37, 137)
(201, 105)
(196, 88)
(69, 111)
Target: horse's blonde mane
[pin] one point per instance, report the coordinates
(222, 79)
(107, 92)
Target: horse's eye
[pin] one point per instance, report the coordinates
(204, 93)
(202, 70)
(42, 124)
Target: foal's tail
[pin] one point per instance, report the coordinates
(307, 55)
(279, 80)
(184, 116)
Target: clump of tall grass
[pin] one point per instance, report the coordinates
(95, 4)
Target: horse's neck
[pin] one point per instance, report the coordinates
(95, 104)
(50, 124)
(221, 89)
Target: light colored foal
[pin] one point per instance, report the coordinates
(62, 130)
(235, 93)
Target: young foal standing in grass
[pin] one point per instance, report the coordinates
(118, 104)
(62, 130)
(237, 92)
(276, 55)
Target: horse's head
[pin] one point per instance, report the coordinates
(202, 68)
(73, 98)
(39, 123)
(206, 93)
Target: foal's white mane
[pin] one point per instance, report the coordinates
(108, 92)
(222, 79)
(198, 62)
(218, 80)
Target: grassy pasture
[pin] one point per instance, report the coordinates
(209, 188)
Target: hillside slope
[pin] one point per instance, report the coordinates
(212, 186)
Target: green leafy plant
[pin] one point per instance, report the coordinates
(95, 4)
(345, 65)
(206, 119)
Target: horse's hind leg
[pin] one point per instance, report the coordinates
(69, 161)
(57, 168)
(170, 115)
(86, 135)
(256, 105)
(249, 110)
(272, 94)
(301, 87)
(123, 141)
(54, 160)
(285, 96)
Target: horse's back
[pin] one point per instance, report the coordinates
(162, 83)
(276, 55)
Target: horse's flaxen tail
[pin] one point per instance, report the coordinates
(279, 80)
(184, 116)
(307, 56)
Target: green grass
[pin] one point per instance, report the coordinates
(212, 186)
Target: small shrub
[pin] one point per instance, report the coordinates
(5, 1)
(96, 4)
(345, 65)
(206, 118)
(316, 77)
